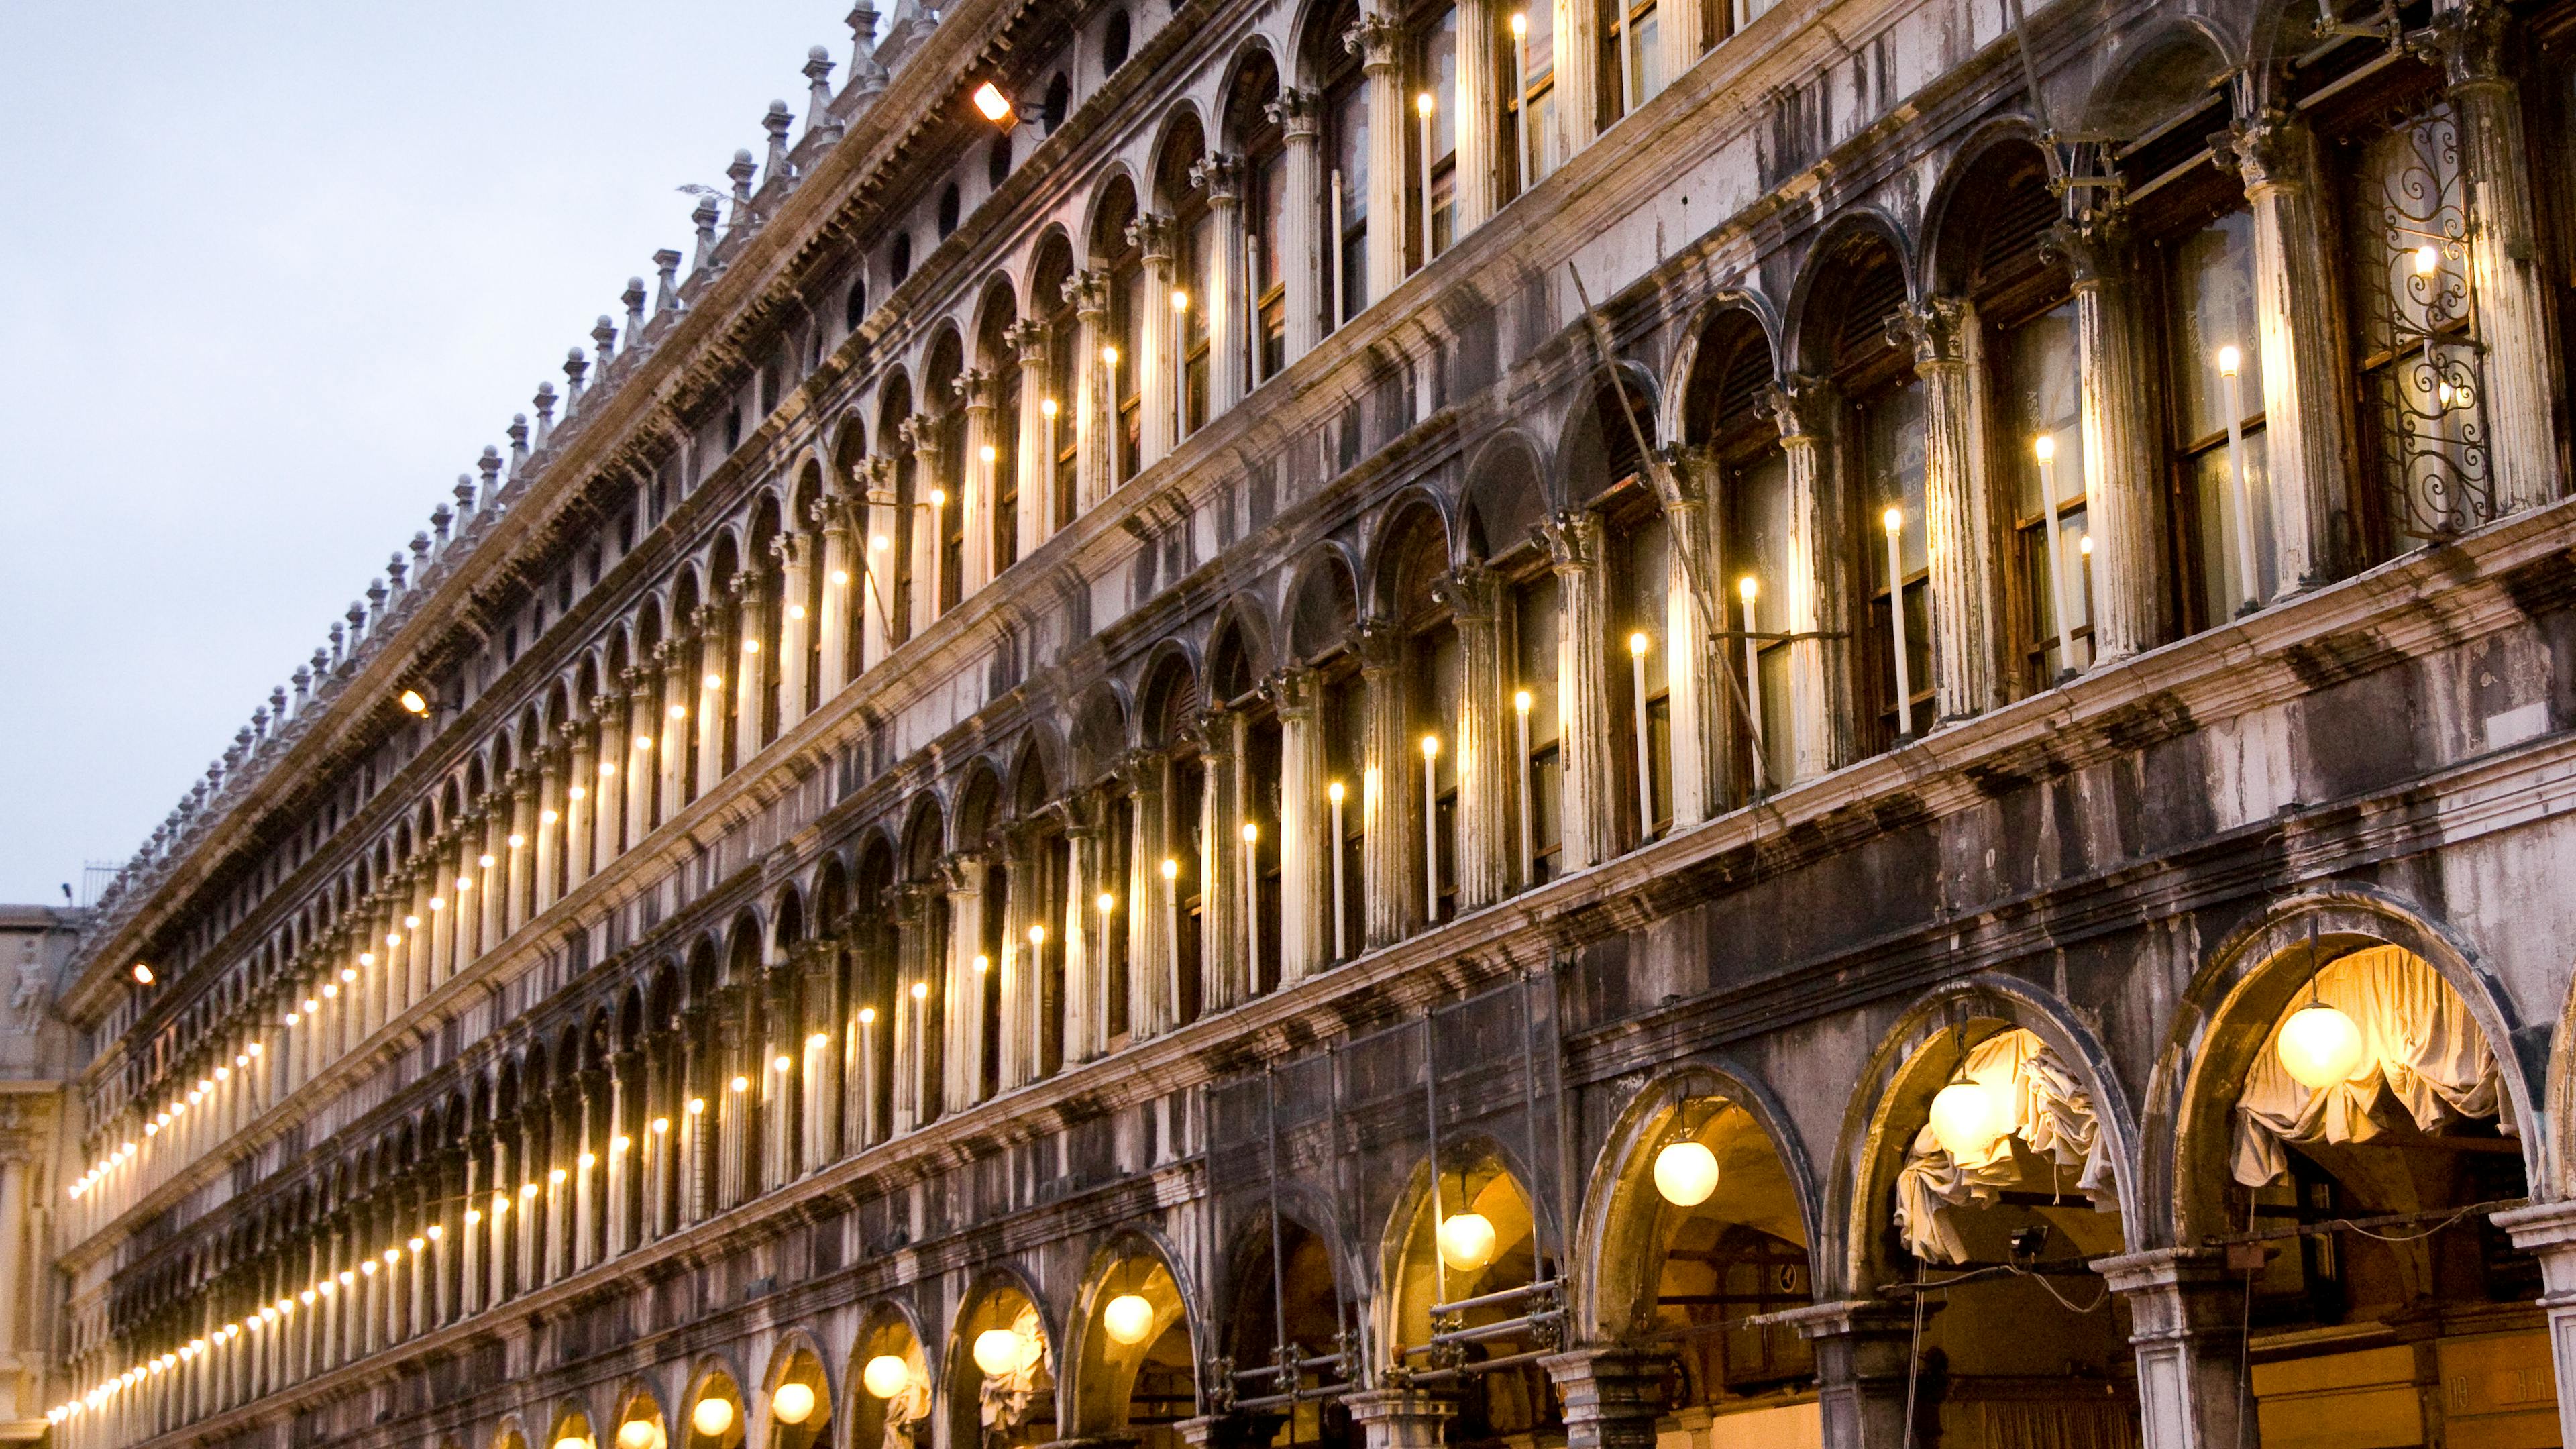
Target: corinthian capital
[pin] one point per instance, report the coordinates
(1376, 40)
(1028, 338)
(1088, 291)
(2093, 246)
(1152, 235)
(1797, 403)
(1934, 330)
(1220, 176)
(1293, 112)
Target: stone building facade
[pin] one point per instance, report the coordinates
(1676, 722)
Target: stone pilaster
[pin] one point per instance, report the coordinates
(1612, 1395)
(1305, 850)
(1958, 522)
(1390, 872)
(1157, 339)
(1093, 408)
(2306, 433)
(1482, 738)
(2124, 510)
(1300, 260)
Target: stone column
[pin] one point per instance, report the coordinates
(581, 768)
(1016, 1067)
(750, 668)
(2508, 284)
(1084, 931)
(1379, 43)
(1090, 407)
(492, 870)
(2185, 1323)
(1390, 878)
(1958, 522)
(524, 836)
(2123, 469)
(707, 696)
(1482, 742)
(1151, 1008)
(1157, 331)
(916, 1093)
(642, 760)
(976, 559)
(1221, 176)
(795, 553)
(1819, 694)
(1222, 959)
(1305, 858)
(921, 434)
(1027, 339)
(824, 1016)
(2306, 437)
(1693, 674)
(962, 1044)
(446, 913)
(781, 1105)
(831, 517)
(2547, 1230)
(670, 772)
(1404, 1418)
(607, 784)
(1577, 46)
(879, 564)
(1861, 1351)
(1473, 105)
(1300, 261)
(1612, 1395)
(1588, 829)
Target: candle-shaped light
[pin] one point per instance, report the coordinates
(2240, 506)
(1172, 923)
(1431, 827)
(1341, 917)
(868, 1072)
(1520, 713)
(2045, 448)
(1252, 904)
(1894, 518)
(1749, 589)
(1638, 644)
(1180, 350)
(1035, 976)
(1341, 306)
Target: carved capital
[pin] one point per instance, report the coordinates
(1152, 235)
(1572, 540)
(1220, 176)
(1377, 41)
(1294, 112)
(1798, 405)
(1934, 330)
(920, 433)
(1469, 592)
(1292, 692)
(1378, 645)
(1088, 291)
(1027, 338)
(2266, 151)
(975, 388)
(962, 870)
(2468, 42)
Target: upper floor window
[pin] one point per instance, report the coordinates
(899, 259)
(950, 206)
(1264, 150)
(1114, 41)
(1532, 103)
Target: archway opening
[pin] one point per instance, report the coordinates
(1472, 1306)
(1287, 1293)
(1704, 1246)
(640, 1424)
(715, 1419)
(891, 1409)
(1997, 1192)
(800, 1402)
(2357, 1153)
(1139, 1374)
(572, 1429)
(1001, 1374)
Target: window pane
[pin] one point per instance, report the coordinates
(2214, 308)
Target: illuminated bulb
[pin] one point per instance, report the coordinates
(620, 1142)
(989, 454)
(436, 1232)
(1521, 700)
(1466, 1241)
(793, 1403)
(1685, 1173)
(635, 1434)
(1893, 519)
(1109, 355)
(606, 767)
(1431, 743)
(1748, 586)
(867, 1016)
(2084, 545)
(1171, 869)
(1108, 903)
(419, 1243)
(1966, 1120)
(1180, 300)
(2428, 260)
(517, 841)
(2044, 446)
(142, 974)
(350, 973)
(938, 497)
(819, 1039)
(1251, 832)
(473, 1216)
(678, 711)
(997, 1351)
(1129, 1318)
(780, 1062)
(1636, 645)
(2320, 1046)
(1046, 405)
(222, 1072)
(983, 964)
(714, 681)
(1334, 790)
(487, 860)
(995, 106)
(2228, 359)
(530, 1189)
(841, 577)
(588, 1160)
(576, 792)
(1520, 26)
(556, 1176)
(393, 1255)
(412, 702)
(797, 611)
(1037, 937)
(742, 1084)
(920, 990)
(365, 958)
(712, 1417)
(661, 1124)
(572, 1441)
(697, 1105)
(879, 543)
(1422, 105)
(750, 646)
(549, 817)
(886, 1375)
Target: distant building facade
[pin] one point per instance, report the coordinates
(1679, 724)
(37, 1141)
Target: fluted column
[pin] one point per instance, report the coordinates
(707, 697)
(2508, 282)
(521, 843)
(920, 433)
(1156, 385)
(1300, 259)
(1474, 115)
(1223, 976)
(1092, 420)
(581, 766)
(670, 771)
(963, 1042)
(1084, 930)
(1027, 339)
(1388, 871)
(2306, 437)
(607, 783)
(916, 1094)
(641, 760)
(795, 554)
(2124, 510)
(840, 581)
(1574, 551)
(1958, 522)
(750, 669)
(1818, 712)
(1577, 47)
(1221, 176)
(1305, 888)
(1691, 672)
(1481, 742)
(1379, 43)
(1012, 958)
(979, 470)
(821, 1061)
(1152, 1007)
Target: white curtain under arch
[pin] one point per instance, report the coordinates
(2420, 1049)
(2054, 1132)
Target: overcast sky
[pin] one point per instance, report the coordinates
(271, 275)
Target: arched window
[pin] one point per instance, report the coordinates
(854, 307)
(1001, 361)
(1114, 42)
(997, 162)
(892, 564)
(1258, 139)
(1727, 412)
(1193, 246)
(1059, 101)
(948, 507)
(899, 260)
(1048, 301)
(1343, 205)
(1432, 141)
(1115, 253)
